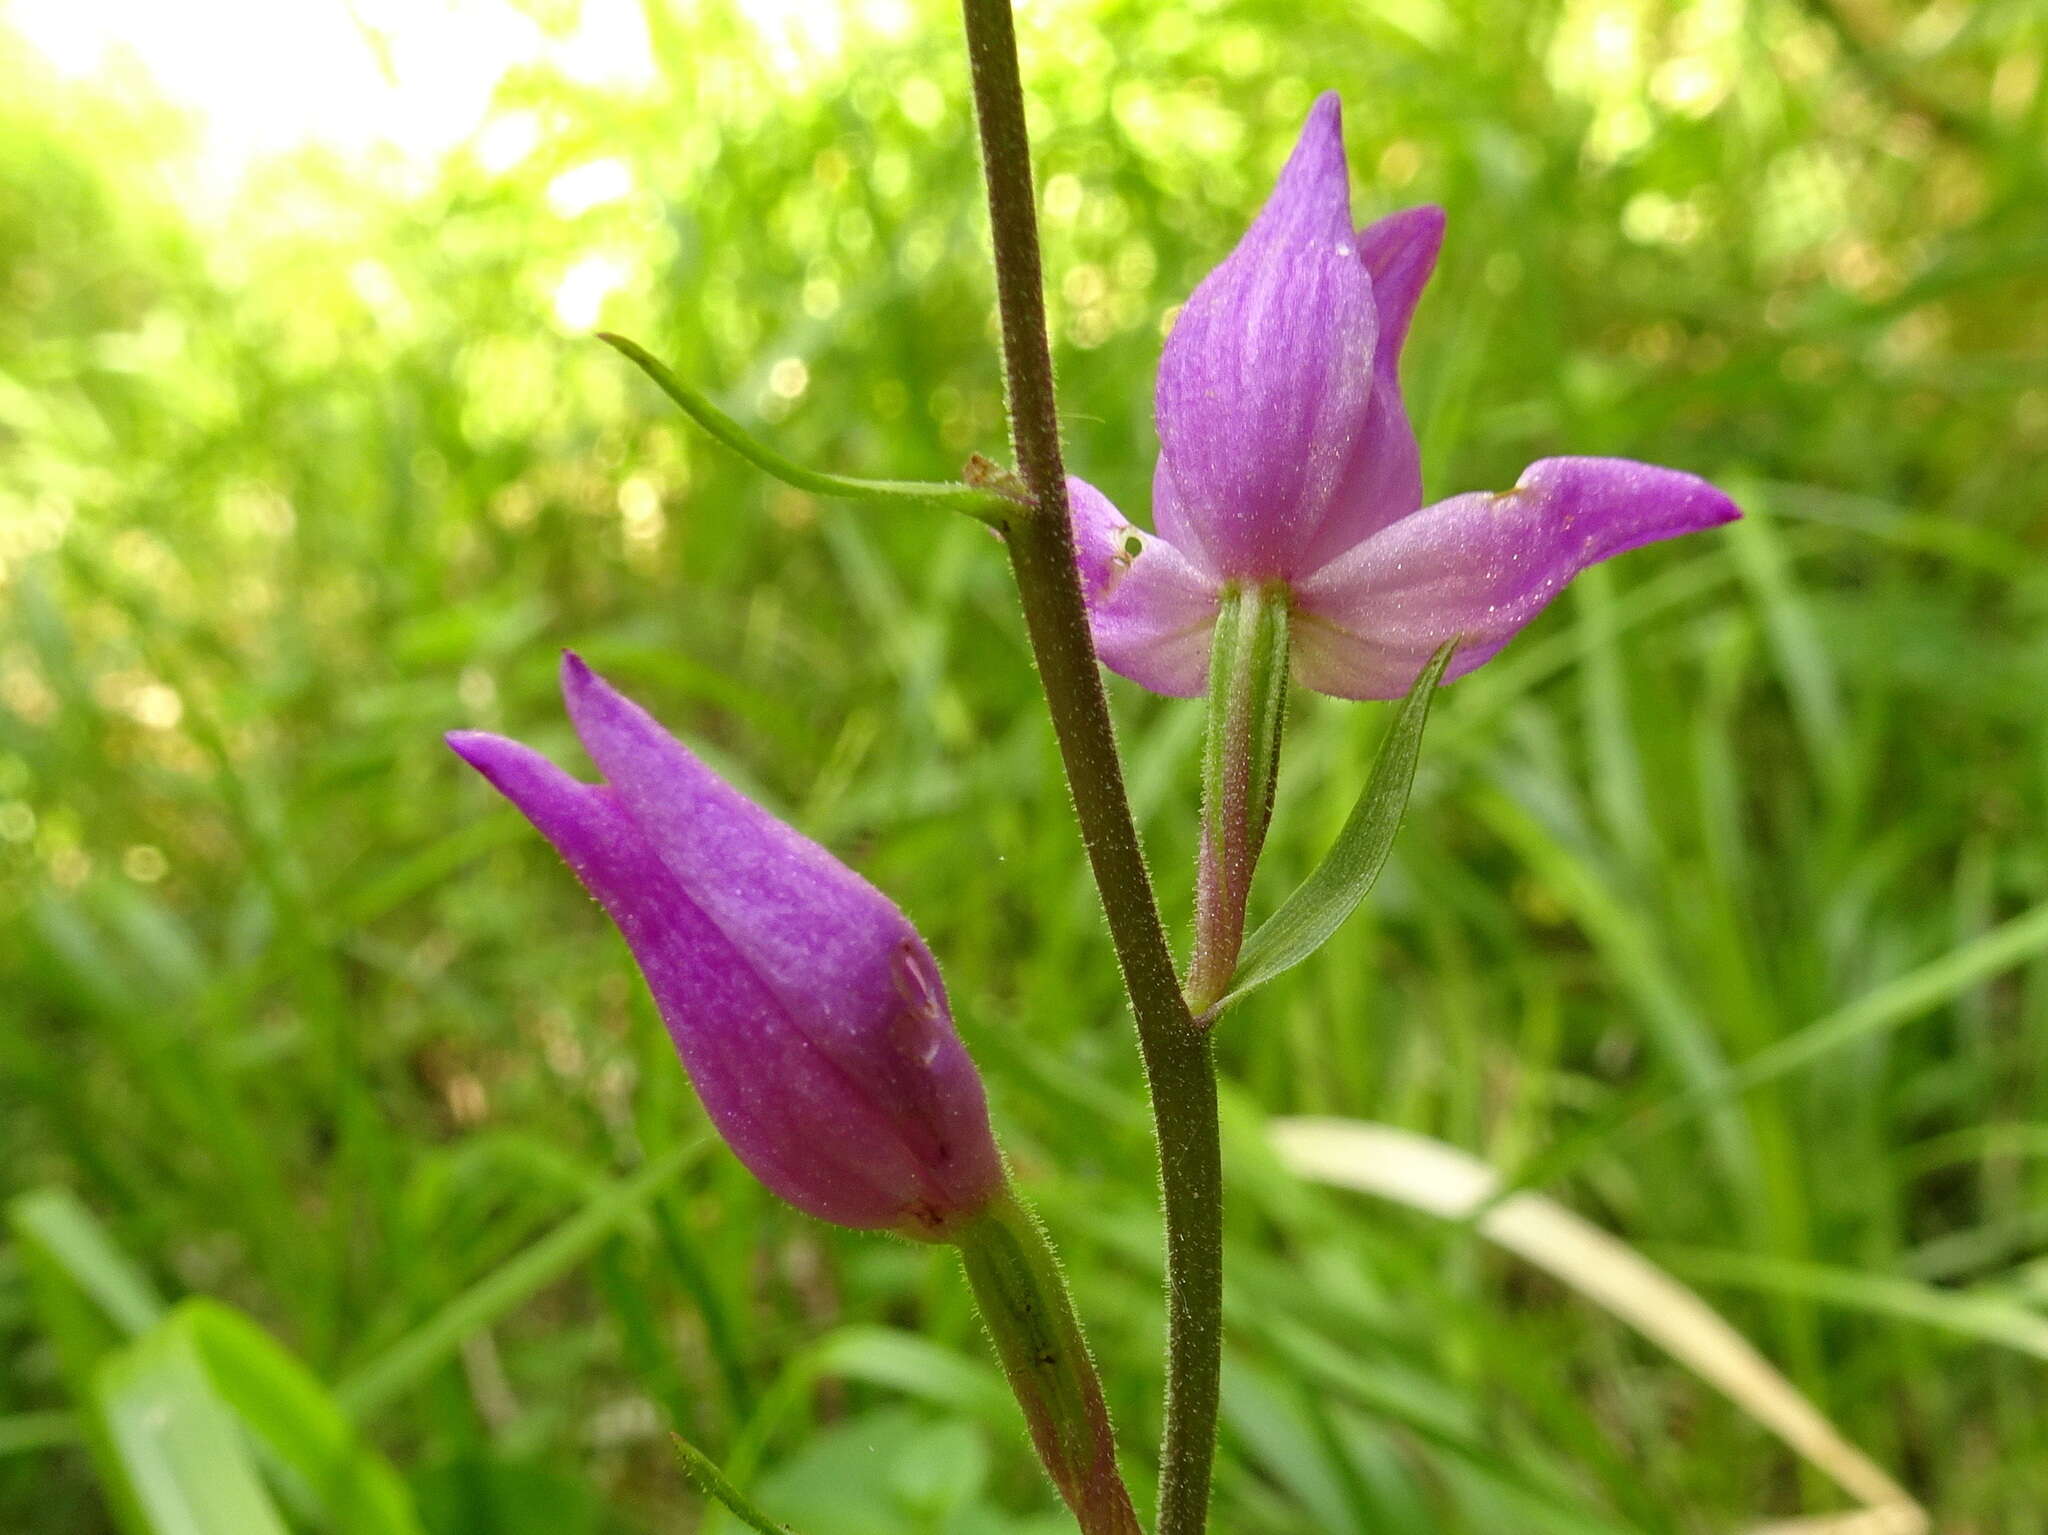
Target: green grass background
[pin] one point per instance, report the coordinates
(311, 1024)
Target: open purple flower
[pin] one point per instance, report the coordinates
(808, 1011)
(1286, 461)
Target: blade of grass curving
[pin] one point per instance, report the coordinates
(685, 1256)
(1310, 917)
(53, 1224)
(1443, 1180)
(989, 506)
(428, 1346)
(1988, 1316)
(1885, 1007)
(87, 1296)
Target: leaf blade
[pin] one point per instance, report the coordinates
(1310, 917)
(988, 506)
(288, 1411)
(178, 1460)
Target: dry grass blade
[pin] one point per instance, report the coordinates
(1892, 1519)
(1428, 1175)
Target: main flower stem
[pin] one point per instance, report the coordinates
(1178, 1067)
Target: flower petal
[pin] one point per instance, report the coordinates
(838, 953)
(1400, 252)
(1266, 382)
(1482, 566)
(1152, 609)
(814, 928)
(1382, 479)
(766, 1085)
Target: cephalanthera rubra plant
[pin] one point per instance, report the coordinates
(1290, 542)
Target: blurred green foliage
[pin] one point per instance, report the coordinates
(316, 1027)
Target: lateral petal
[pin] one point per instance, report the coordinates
(1400, 251)
(1482, 566)
(814, 928)
(1152, 609)
(1382, 478)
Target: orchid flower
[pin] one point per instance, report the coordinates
(1287, 467)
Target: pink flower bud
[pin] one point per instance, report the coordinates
(809, 1013)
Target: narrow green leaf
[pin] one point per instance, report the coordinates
(312, 1446)
(711, 1482)
(1311, 916)
(918, 1367)
(21, 1432)
(989, 506)
(178, 1460)
(88, 1296)
(63, 1230)
(1885, 1007)
(423, 1350)
(1240, 762)
(1987, 1315)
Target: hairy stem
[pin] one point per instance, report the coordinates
(1176, 1053)
(1023, 1301)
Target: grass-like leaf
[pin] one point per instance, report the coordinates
(416, 1355)
(1311, 916)
(179, 1462)
(309, 1441)
(1429, 1175)
(989, 506)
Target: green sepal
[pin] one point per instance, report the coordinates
(1247, 705)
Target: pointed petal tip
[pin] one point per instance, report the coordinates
(586, 695)
(1424, 221)
(473, 746)
(1424, 224)
(1311, 198)
(1722, 507)
(1321, 140)
(511, 767)
(1644, 502)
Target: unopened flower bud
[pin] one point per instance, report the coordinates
(809, 1013)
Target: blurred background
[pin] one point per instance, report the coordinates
(306, 456)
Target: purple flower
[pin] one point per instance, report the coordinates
(1286, 461)
(808, 1011)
